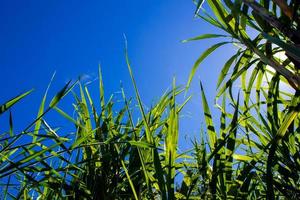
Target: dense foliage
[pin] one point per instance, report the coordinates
(115, 153)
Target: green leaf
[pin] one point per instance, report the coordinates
(225, 68)
(4, 107)
(209, 122)
(204, 36)
(141, 144)
(240, 157)
(41, 110)
(65, 90)
(145, 121)
(206, 53)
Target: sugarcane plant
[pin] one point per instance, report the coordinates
(266, 69)
(120, 149)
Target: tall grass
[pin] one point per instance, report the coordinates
(118, 153)
(268, 116)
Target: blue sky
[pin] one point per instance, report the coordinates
(73, 37)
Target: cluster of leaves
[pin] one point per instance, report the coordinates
(254, 154)
(266, 69)
(110, 156)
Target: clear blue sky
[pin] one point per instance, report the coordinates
(73, 37)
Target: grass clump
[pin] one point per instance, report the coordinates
(120, 154)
